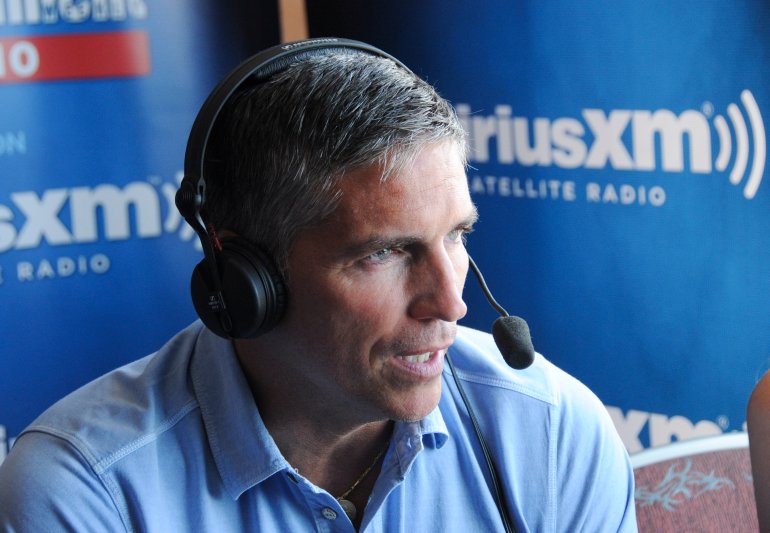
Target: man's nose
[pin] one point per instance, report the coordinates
(437, 284)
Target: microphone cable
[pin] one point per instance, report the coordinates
(513, 339)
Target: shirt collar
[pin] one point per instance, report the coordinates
(410, 438)
(433, 429)
(243, 450)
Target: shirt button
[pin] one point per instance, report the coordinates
(329, 514)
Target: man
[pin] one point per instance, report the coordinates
(348, 171)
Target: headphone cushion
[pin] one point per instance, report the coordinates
(253, 290)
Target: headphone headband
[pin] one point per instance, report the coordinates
(257, 68)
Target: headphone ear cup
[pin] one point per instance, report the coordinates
(252, 288)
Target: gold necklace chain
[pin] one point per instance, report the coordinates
(349, 507)
(361, 478)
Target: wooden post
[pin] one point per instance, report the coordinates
(293, 15)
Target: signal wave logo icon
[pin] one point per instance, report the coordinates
(742, 144)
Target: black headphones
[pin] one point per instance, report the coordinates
(236, 289)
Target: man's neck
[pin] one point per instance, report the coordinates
(329, 445)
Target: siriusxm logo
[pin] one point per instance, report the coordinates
(659, 428)
(624, 139)
(76, 215)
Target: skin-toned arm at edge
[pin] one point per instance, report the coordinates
(758, 424)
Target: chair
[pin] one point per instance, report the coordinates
(699, 485)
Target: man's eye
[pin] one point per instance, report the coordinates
(380, 255)
(457, 235)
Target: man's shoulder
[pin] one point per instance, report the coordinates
(537, 420)
(63, 455)
(480, 361)
(122, 408)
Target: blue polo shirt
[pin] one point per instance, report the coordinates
(174, 442)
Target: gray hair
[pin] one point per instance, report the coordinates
(286, 145)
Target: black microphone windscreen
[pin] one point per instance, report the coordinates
(512, 337)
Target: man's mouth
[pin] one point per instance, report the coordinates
(419, 358)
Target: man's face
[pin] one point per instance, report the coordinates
(374, 292)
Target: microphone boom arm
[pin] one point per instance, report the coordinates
(485, 289)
